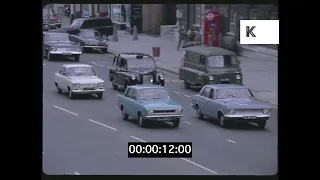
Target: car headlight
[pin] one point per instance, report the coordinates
(76, 85)
(53, 49)
(211, 78)
(238, 76)
(78, 49)
(86, 43)
(178, 110)
(101, 84)
(161, 77)
(266, 111)
(133, 77)
(150, 112)
(232, 111)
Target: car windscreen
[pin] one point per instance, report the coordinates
(233, 93)
(144, 63)
(90, 34)
(76, 24)
(153, 94)
(229, 61)
(81, 71)
(61, 37)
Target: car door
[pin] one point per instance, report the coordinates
(121, 69)
(43, 44)
(128, 102)
(211, 104)
(203, 101)
(133, 103)
(112, 69)
(59, 77)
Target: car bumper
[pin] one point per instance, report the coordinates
(249, 118)
(65, 53)
(96, 47)
(88, 91)
(55, 25)
(163, 118)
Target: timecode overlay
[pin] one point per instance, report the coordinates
(160, 150)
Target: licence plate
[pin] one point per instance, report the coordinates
(164, 118)
(66, 53)
(249, 117)
(227, 79)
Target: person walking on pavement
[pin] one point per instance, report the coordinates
(182, 36)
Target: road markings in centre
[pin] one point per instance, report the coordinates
(184, 159)
(97, 64)
(103, 125)
(76, 173)
(66, 110)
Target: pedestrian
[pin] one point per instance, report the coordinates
(182, 36)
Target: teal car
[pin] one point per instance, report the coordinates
(149, 103)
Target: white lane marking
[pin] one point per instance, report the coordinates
(176, 92)
(187, 122)
(97, 64)
(138, 139)
(166, 81)
(76, 173)
(231, 141)
(66, 110)
(198, 165)
(103, 125)
(186, 160)
(187, 96)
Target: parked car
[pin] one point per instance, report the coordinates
(90, 39)
(201, 65)
(59, 44)
(103, 25)
(134, 68)
(78, 79)
(149, 103)
(54, 21)
(230, 103)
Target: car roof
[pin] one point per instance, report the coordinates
(147, 86)
(133, 55)
(92, 18)
(209, 50)
(221, 86)
(76, 65)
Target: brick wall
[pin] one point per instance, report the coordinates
(152, 18)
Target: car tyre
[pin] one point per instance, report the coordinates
(71, 94)
(114, 86)
(222, 122)
(84, 50)
(162, 83)
(124, 115)
(186, 84)
(100, 95)
(49, 57)
(104, 51)
(77, 58)
(141, 121)
(176, 123)
(198, 112)
(59, 90)
(262, 124)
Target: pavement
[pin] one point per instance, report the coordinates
(87, 136)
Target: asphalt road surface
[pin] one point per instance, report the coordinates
(87, 136)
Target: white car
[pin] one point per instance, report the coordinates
(78, 79)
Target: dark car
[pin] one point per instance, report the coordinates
(53, 21)
(132, 69)
(91, 40)
(60, 44)
(103, 25)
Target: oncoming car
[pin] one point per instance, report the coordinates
(149, 103)
(134, 68)
(230, 103)
(78, 79)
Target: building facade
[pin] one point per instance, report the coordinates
(192, 15)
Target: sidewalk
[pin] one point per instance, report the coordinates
(260, 75)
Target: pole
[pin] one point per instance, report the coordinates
(90, 10)
(202, 23)
(188, 16)
(72, 12)
(48, 16)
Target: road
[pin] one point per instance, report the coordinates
(87, 136)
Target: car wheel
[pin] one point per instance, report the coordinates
(162, 83)
(198, 112)
(100, 95)
(124, 115)
(186, 84)
(84, 50)
(222, 121)
(176, 123)
(114, 86)
(59, 90)
(262, 124)
(76, 58)
(70, 94)
(49, 57)
(142, 122)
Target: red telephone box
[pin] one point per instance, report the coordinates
(212, 28)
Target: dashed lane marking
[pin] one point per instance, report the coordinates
(187, 96)
(231, 141)
(76, 173)
(103, 124)
(176, 92)
(188, 122)
(62, 109)
(186, 160)
(97, 64)
(138, 139)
